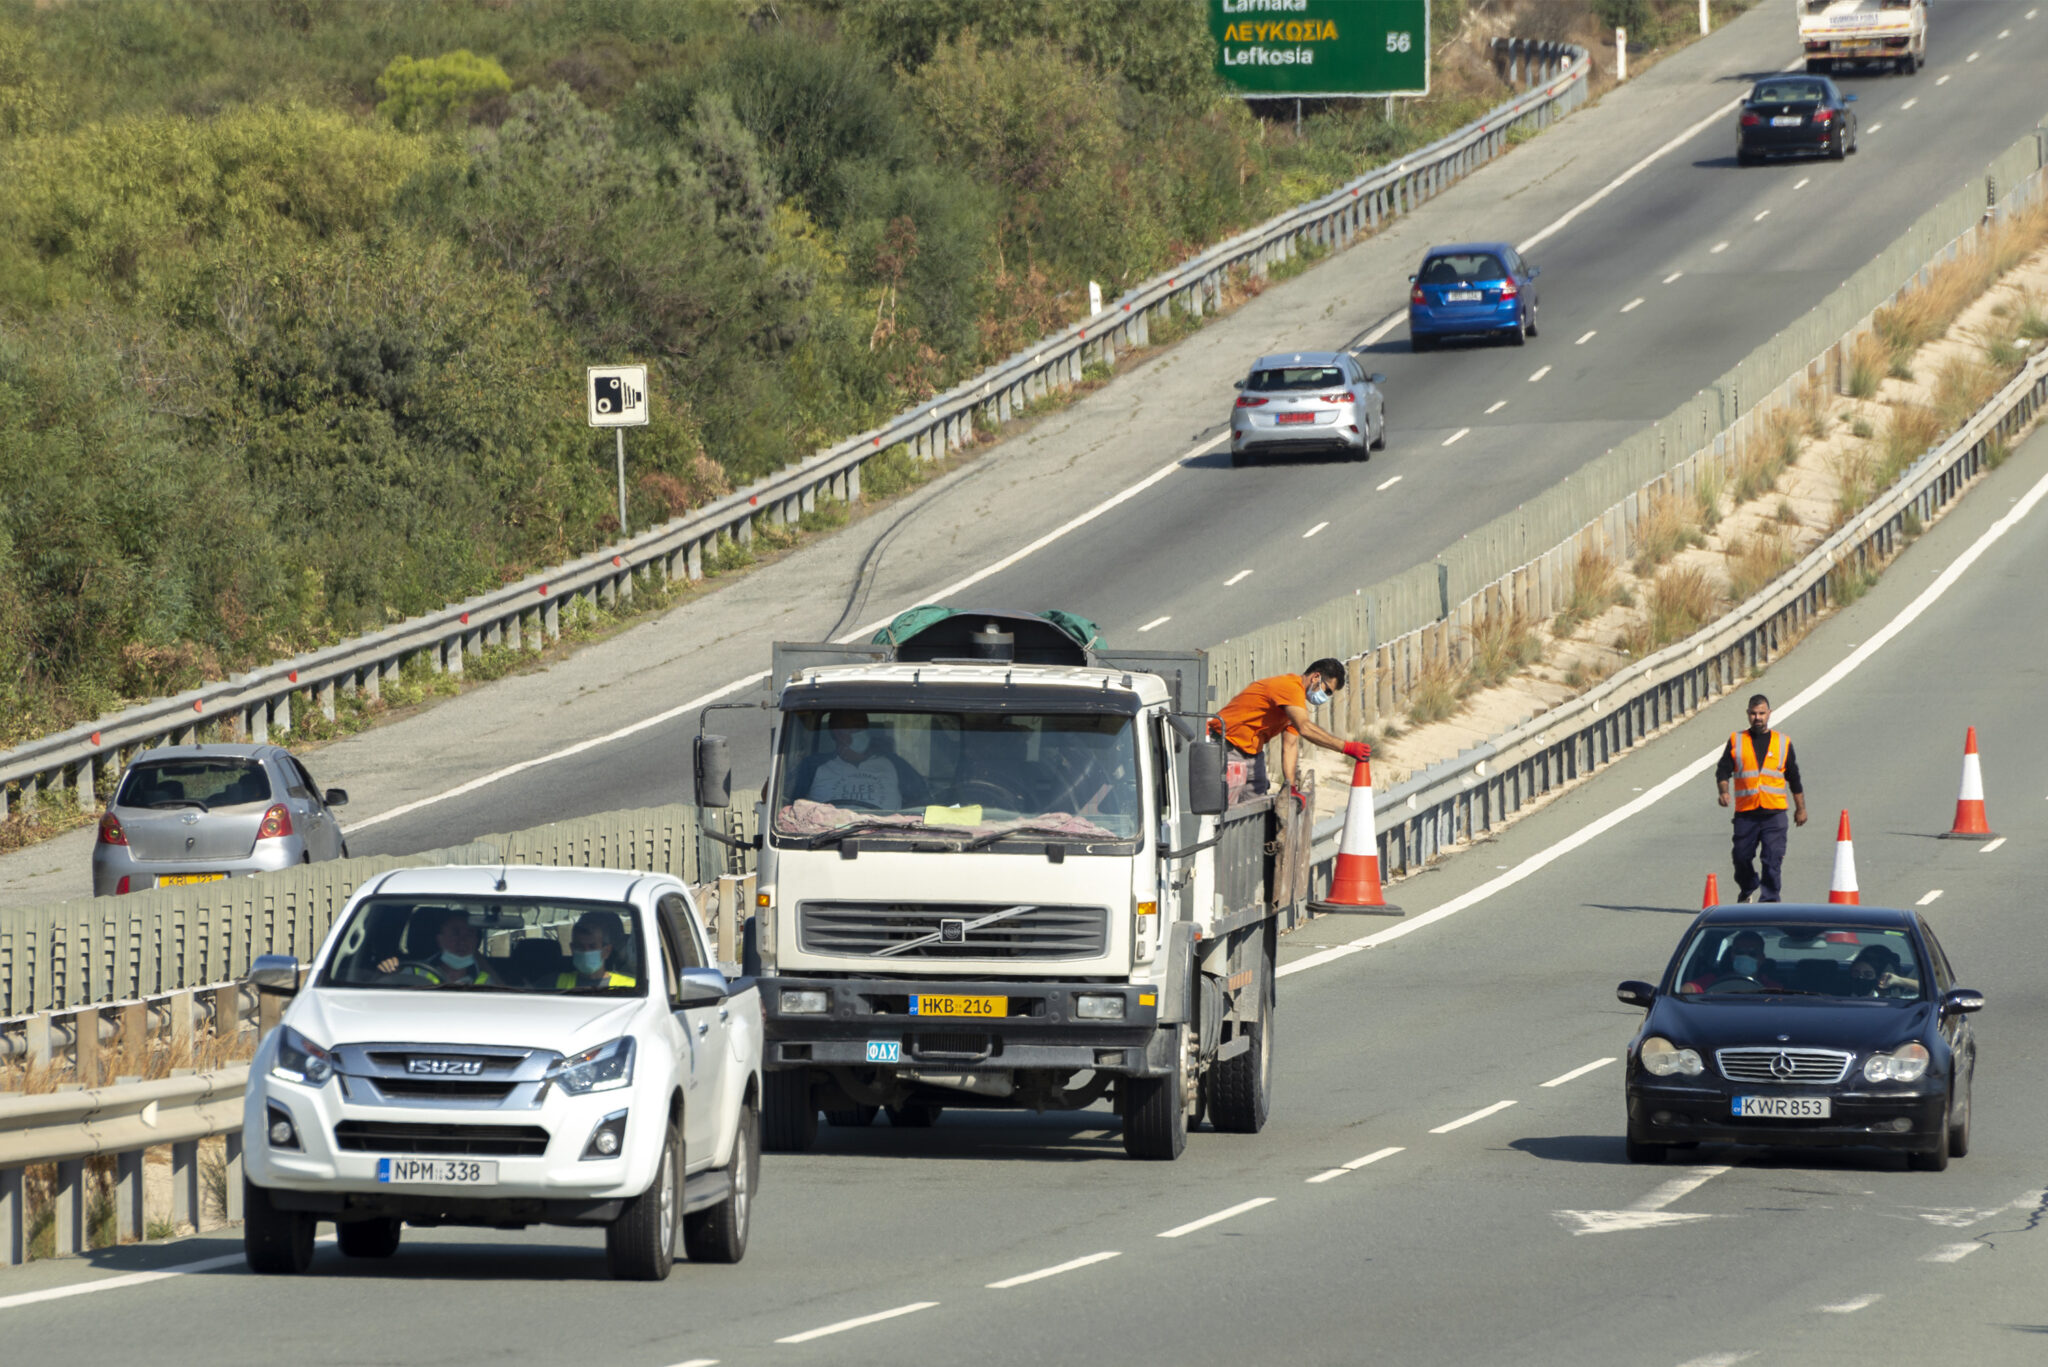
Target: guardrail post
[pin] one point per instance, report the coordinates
(36, 1031)
(227, 1011)
(180, 1008)
(281, 715)
(693, 561)
(130, 1219)
(69, 1207)
(232, 1194)
(13, 1218)
(85, 1046)
(325, 694)
(551, 619)
(185, 1184)
(536, 635)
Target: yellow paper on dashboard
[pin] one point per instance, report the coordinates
(953, 816)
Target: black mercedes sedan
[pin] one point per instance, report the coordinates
(1804, 1025)
(1793, 115)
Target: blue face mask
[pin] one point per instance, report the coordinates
(1744, 965)
(588, 961)
(457, 960)
(1319, 696)
(858, 742)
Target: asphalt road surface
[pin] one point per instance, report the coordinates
(1443, 1178)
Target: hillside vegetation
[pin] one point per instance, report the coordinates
(296, 295)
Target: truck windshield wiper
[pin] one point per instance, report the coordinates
(833, 837)
(984, 841)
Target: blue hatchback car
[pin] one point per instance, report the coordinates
(1471, 289)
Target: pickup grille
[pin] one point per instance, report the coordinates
(462, 1141)
(947, 930)
(442, 1089)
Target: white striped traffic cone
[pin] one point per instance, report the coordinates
(1844, 887)
(1970, 822)
(1355, 885)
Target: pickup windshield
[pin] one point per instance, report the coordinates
(967, 777)
(505, 944)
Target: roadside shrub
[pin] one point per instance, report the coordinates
(1848, 581)
(1712, 483)
(889, 474)
(1592, 589)
(1681, 601)
(1755, 561)
(1907, 436)
(1503, 644)
(1867, 363)
(1667, 527)
(1438, 690)
(2032, 318)
(1861, 429)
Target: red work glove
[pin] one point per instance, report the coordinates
(1358, 749)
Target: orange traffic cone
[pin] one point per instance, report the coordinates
(1713, 893)
(1844, 887)
(1355, 886)
(1970, 822)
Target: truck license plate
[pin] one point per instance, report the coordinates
(885, 1051)
(930, 1005)
(436, 1172)
(1783, 1107)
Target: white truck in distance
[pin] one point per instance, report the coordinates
(997, 869)
(1840, 31)
(506, 1047)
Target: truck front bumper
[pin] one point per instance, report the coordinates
(870, 1022)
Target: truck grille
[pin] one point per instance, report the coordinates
(464, 1141)
(949, 930)
(1782, 1065)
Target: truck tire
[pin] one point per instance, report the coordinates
(640, 1246)
(852, 1117)
(1155, 1109)
(368, 1238)
(1819, 66)
(915, 1115)
(1241, 1089)
(789, 1118)
(718, 1234)
(276, 1243)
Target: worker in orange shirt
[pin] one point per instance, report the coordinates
(1279, 706)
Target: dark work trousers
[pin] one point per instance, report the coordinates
(1762, 829)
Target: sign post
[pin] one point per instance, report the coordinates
(617, 396)
(1322, 49)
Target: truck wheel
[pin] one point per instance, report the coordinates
(852, 1117)
(368, 1238)
(276, 1243)
(789, 1118)
(1241, 1088)
(640, 1246)
(1819, 66)
(719, 1234)
(1156, 1110)
(915, 1116)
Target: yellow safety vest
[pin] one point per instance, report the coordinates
(433, 975)
(610, 980)
(1759, 786)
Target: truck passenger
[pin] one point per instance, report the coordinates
(1280, 706)
(857, 774)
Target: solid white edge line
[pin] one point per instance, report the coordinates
(58, 1293)
(1929, 899)
(1992, 846)
(1240, 1208)
(1375, 1156)
(844, 1325)
(1044, 1272)
(1580, 1072)
(1461, 432)
(1543, 858)
(1462, 1121)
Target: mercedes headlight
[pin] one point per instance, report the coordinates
(605, 1068)
(1906, 1064)
(301, 1060)
(1662, 1058)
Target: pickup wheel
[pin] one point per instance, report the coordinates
(789, 1118)
(1156, 1109)
(719, 1234)
(276, 1243)
(852, 1117)
(915, 1116)
(640, 1246)
(368, 1238)
(1241, 1089)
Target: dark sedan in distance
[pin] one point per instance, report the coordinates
(1804, 1026)
(1794, 116)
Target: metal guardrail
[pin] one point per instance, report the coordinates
(259, 704)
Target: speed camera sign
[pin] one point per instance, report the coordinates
(618, 395)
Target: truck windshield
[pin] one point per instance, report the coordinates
(506, 944)
(970, 774)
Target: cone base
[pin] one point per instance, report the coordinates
(1967, 835)
(1347, 909)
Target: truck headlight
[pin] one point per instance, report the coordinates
(1662, 1058)
(1907, 1064)
(301, 1060)
(605, 1068)
(805, 1001)
(1095, 1006)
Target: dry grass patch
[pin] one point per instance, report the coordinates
(1868, 362)
(1813, 409)
(1680, 603)
(1908, 433)
(2031, 317)
(1765, 459)
(1502, 646)
(1437, 692)
(1756, 560)
(1961, 387)
(1668, 526)
(1593, 590)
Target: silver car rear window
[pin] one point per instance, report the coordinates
(213, 781)
(1297, 377)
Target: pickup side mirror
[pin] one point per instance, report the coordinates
(712, 760)
(335, 797)
(702, 987)
(275, 973)
(1633, 993)
(1962, 999)
(1208, 792)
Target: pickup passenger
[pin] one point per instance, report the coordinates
(593, 944)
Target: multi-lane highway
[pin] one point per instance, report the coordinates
(1443, 1179)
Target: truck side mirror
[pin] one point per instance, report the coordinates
(712, 760)
(1208, 792)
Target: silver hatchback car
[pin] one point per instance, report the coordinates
(1308, 401)
(200, 813)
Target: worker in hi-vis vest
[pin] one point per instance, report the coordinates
(1765, 773)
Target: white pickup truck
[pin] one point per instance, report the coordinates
(506, 1047)
(1889, 31)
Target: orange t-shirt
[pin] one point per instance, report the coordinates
(1259, 713)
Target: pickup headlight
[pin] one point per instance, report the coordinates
(1906, 1064)
(1662, 1058)
(605, 1068)
(301, 1060)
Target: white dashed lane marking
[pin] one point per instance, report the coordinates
(1719, 1359)
(1587, 338)
(1761, 217)
(1044, 1272)
(1539, 374)
(1355, 1164)
(1992, 846)
(1944, 80)
(1971, 58)
(1456, 435)
(1804, 181)
(1462, 1121)
(1388, 485)
(1954, 1253)
(1673, 276)
(1929, 899)
(1237, 578)
(1909, 104)
(845, 1325)
(1873, 128)
(1498, 404)
(1313, 530)
(1717, 249)
(1155, 622)
(1850, 1307)
(1563, 1078)
(1240, 1208)
(1632, 304)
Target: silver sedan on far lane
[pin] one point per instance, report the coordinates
(199, 813)
(1307, 401)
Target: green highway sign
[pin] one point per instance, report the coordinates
(1322, 48)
